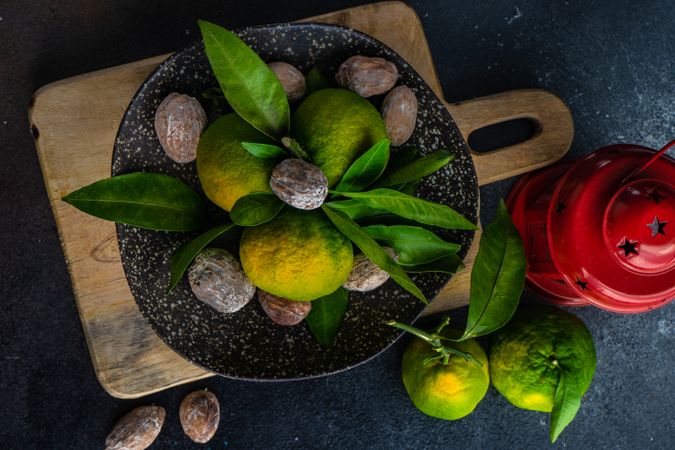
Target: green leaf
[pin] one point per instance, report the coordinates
(386, 218)
(183, 256)
(325, 317)
(565, 404)
(497, 277)
(264, 151)
(449, 264)
(414, 208)
(249, 86)
(410, 188)
(316, 80)
(414, 245)
(146, 200)
(417, 169)
(255, 209)
(400, 158)
(372, 250)
(355, 209)
(366, 169)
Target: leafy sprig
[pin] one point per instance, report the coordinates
(414, 245)
(435, 340)
(248, 84)
(255, 209)
(366, 169)
(373, 251)
(264, 151)
(566, 403)
(417, 169)
(497, 277)
(409, 207)
(326, 316)
(146, 200)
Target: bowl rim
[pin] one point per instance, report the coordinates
(298, 25)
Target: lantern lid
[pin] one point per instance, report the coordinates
(633, 231)
(607, 226)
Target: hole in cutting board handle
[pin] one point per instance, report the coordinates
(502, 134)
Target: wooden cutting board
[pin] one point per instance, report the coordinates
(74, 122)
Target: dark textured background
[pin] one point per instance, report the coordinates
(613, 62)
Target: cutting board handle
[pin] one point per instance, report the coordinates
(554, 130)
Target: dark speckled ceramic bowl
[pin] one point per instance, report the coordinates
(247, 344)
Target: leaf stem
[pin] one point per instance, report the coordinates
(294, 147)
(434, 339)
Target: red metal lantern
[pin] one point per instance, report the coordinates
(597, 231)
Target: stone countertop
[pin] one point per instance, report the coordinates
(612, 62)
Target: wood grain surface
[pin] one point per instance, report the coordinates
(74, 123)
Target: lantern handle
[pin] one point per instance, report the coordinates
(648, 163)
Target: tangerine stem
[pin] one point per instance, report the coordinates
(444, 323)
(294, 147)
(434, 339)
(415, 331)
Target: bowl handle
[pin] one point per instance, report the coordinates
(552, 138)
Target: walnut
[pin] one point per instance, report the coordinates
(365, 275)
(367, 76)
(283, 311)
(399, 111)
(137, 430)
(299, 184)
(217, 279)
(292, 80)
(179, 122)
(199, 415)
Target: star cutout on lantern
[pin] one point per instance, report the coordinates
(657, 227)
(628, 247)
(560, 207)
(655, 195)
(582, 284)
